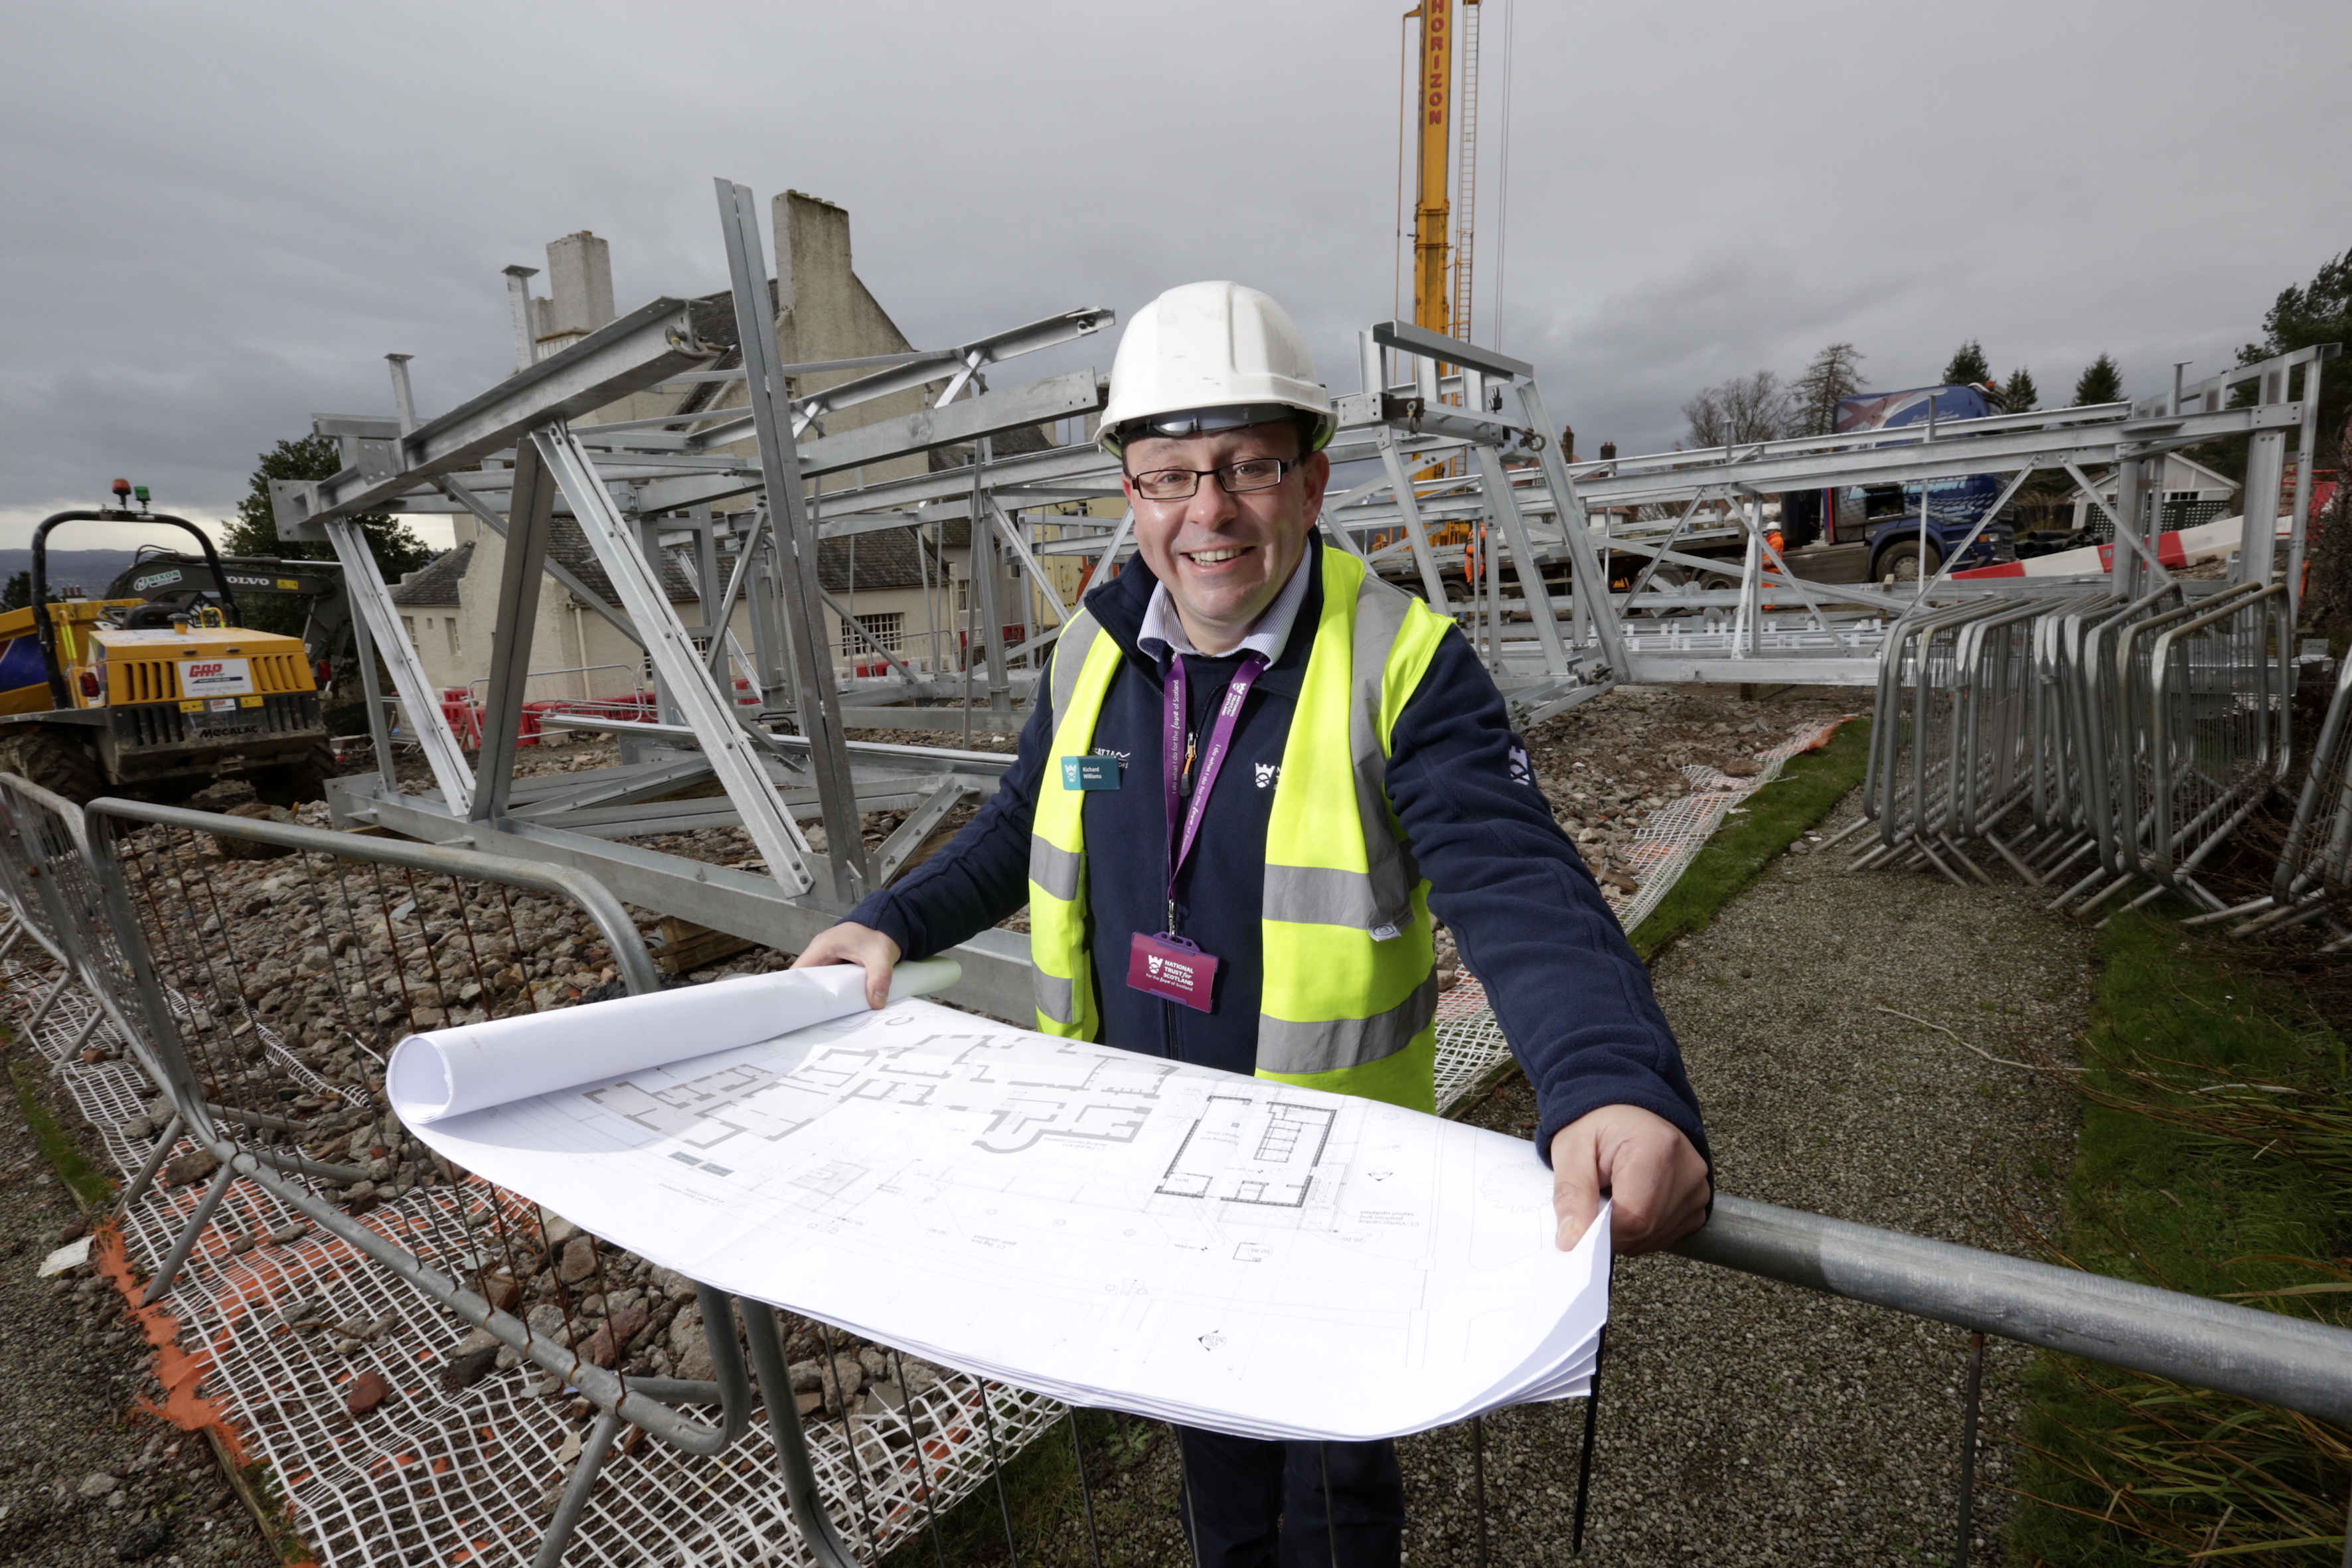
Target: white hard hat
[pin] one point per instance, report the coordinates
(1213, 356)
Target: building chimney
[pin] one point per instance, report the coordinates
(1608, 451)
(1567, 443)
(580, 288)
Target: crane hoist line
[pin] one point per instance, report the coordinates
(1445, 170)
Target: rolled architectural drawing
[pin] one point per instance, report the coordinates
(448, 1072)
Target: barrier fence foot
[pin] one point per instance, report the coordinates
(185, 1242)
(2118, 886)
(576, 1490)
(2016, 864)
(56, 993)
(140, 1183)
(88, 1027)
(2059, 903)
(1938, 861)
(2142, 901)
(1961, 856)
(1848, 831)
(2254, 908)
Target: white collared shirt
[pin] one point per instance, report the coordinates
(1162, 634)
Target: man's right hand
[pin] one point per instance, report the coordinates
(850, 942)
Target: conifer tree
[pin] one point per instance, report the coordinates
(1969, 366)
(394, 544)
(2102, 381)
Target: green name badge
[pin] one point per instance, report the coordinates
(1089, 773)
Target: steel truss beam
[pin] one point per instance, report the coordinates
(921, 370)
(372, 602)
(1947, 456)
(622, 480)
(733, 755)
(815, 700)
(642, 348)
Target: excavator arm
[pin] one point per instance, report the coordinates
(180, 582)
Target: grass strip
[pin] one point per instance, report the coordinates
(89, 1185)
(1811, 785)
(2212, 1160)
(1043, 1502)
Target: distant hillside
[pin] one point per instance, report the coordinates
(91, 570)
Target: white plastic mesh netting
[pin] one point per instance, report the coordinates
(1470, 1043)
(472, 1475)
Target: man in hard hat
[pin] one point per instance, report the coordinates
(1252, 775)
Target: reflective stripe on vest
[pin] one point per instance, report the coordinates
(1341, 1007)
(1062, 978)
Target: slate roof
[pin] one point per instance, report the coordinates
(435, 582)
(886, 559)
(566, 543)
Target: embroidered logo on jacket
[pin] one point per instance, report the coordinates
(1267, 773)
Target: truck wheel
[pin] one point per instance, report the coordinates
(304, 778)
(175, 791)
(1900, 561)
(62, 761)
(1669, 580)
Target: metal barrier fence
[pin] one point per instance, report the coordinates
(308, 1247)
(2315, 866)
(2132, 736)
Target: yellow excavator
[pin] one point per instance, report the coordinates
(154, 701)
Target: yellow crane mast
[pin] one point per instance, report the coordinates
(1442, 260)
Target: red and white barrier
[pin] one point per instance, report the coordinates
(2183, 547)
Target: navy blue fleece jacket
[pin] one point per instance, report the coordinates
(1531, 922)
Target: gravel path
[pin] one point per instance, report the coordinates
(1749, 1422)
(87, 1477)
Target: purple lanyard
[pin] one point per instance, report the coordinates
(1171, 750)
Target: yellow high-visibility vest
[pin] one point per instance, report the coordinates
(1349, 1000)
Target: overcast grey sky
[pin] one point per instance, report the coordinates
(219, 218)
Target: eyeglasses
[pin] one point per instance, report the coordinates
(1234, 479)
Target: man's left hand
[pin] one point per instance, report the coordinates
(1641, 1161)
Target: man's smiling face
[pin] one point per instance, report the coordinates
(1225, 557)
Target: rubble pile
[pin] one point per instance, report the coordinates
(304, 971)
(1607, 765)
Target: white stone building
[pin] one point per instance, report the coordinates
(824, 312)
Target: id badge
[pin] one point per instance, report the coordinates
(1089, 773)
(1172, 968)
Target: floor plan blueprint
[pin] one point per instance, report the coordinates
(1110, 1227)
